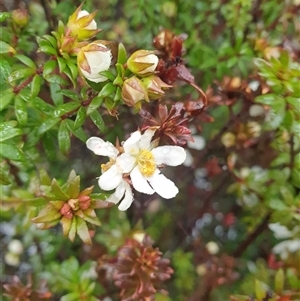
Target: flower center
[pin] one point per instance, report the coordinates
(146, 163)
(108, 165)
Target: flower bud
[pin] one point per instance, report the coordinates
(93, 59)
(20, 17)
(155, 86)
(84, 202)
(133, 92)
(142, 62)
(66, 211)
(82, 24)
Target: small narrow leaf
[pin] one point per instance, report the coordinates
(42, 106)
(66, 225)
(6, 48)
(70, 94)
(7, 133)
(4, 178)
(20, 110)
(122, 55)
(98, 121)
(72, 232)
(47, 49)
(19, 74)
(279, 281)
(66, 108)
(49, 67)
(94, 105)
(74, 187)
(47, 125)
(83, 231)
(11, 152)
(26, 60)
(64, 140)
(108, 90)
(6, 98)
(58, 192)
(80, 118)
(36, 85)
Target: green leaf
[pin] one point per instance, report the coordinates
(42, 106)
(47, 49)
(122, 55)
(44, 178)
(20, 110)
(47, 125)
(80, 118)
(49, 143)
(91, 219)
(4, 178)
(66, 108)
(64, 140)
(51, 40)
(70, 94)
(56, 96)
(72, 232)
(79, 133)
(98, 121)
(19, 74)
(4, 16)
(268, 99)
(58, 192)
(74, 187)
(260, 289)
(7, 131)
(279, 281)
(11, 152)
(108, 90)
(5, 70)
(26, 60)
(49, 67)
(6, 98)
(6, 48)
(94, 105)
(36, 85)
(109, 74)
(36, 202)
(74, 296)
(73, 68)
(49, 216)
(83, 231)
(66, 225)
(61, 64)
(56, 79)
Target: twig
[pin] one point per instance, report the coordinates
(251, 237)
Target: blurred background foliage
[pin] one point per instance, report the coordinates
(232, 232)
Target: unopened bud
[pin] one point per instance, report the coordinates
(142, 62)
(82, 24)
(155, 86)
(66, 211)
(133, 92)
(20, 17)
(84, 202)
(93, 59)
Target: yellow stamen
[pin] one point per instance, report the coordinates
(108, 165)
(146, 163)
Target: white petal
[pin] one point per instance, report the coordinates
(117, 195)
(130, 145)
(146, 139)
(110, 179)
(163, 186)
(102, 148)
(169, 155)
(139, 182)
(125, 163)
(128, 198)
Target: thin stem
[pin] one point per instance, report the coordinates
(252, 236)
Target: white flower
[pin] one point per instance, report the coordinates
(124, 194)
(142, 159)
(93, 59)
(112, 176)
